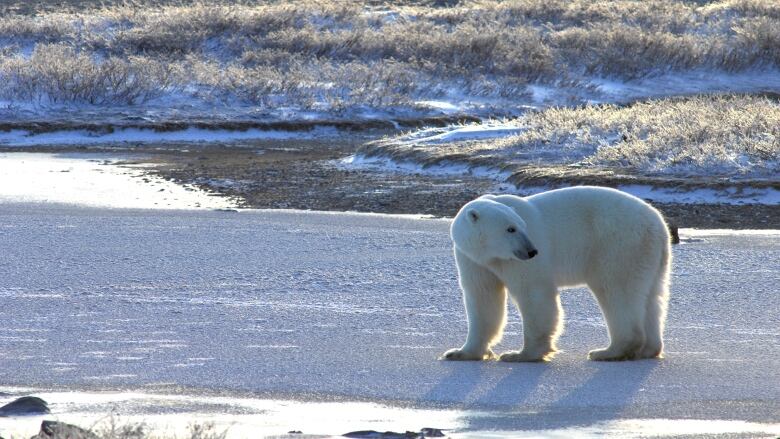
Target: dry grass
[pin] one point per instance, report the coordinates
(58, 73)
(111, 427)
(340, 55)
(735, 137)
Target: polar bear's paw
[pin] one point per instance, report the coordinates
(610, 354)
(524, 357)
(461, 355)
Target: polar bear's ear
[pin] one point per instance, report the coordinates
(473, 215)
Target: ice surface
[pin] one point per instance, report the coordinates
(242, 417)
(94, 180)
(305, 306)
(134, 135)
(171, 415)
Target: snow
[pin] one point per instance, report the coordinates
(644, 428)
(384, 164)
(133, 135)
(243, 417)
(726, 195)
(306, 308)
(686, 83)
(731, 195)
(455, 133)
(444, 106)
(94, 180)
(542, 94)
(698, 233)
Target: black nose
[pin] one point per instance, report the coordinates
(532, 253)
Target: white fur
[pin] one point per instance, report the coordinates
(614, 243)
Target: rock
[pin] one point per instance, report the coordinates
(61, 430)
(373, 434)
(25, 406)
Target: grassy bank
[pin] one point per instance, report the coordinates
(339, 56)
(717, 138)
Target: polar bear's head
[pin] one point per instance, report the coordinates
(486, 230)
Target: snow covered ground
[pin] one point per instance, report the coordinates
(326, 307)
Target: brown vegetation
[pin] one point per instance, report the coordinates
(677, 141)
(337, 55)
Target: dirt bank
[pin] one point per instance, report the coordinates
(299, 174)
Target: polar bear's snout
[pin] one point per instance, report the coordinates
(524, 255)
(526, 250)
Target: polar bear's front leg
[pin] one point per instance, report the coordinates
(541, 312)
(484, 297)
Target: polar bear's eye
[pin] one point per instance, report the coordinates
(511, 230)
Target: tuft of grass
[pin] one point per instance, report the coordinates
(734, 137)
(111, 427)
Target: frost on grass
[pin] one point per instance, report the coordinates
(734, 137)
(57, 73)
(112, 428)
(336, 56)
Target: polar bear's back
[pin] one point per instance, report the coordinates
(580, 221)
(588, 225)
(597, 207)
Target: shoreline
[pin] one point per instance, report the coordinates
(241, 415)
(306, 174)
(298, 174)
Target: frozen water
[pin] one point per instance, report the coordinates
(171, 415)
(306, 306)
(135, 136)
(94, 180)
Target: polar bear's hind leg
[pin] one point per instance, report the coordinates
(654, 345)
(655, 315)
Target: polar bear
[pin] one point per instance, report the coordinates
(613, 242)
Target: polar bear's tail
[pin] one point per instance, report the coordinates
(657, 304)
